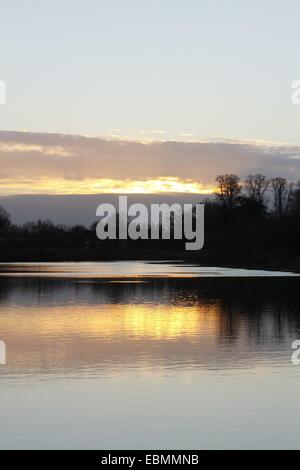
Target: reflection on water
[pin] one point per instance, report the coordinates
(161, 363)
(130, 269)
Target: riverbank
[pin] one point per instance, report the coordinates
(283, 260)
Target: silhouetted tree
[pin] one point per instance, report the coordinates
(256, 187)
(228, 190)
(290, 197)
(296, 200)
(279, 188)
(4, 218)
(283, 194)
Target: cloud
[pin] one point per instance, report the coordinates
(23, 148)
(37, 157)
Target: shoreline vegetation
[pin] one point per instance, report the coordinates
(251, 225)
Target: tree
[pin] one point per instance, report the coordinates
(283, 194)
(296, 200)
(229, 189)
(4, 218)
(256, 187)
(290, 198)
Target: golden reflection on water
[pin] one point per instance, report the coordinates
(53, 326)
(50, 338)
(176, 356)
(168, 322)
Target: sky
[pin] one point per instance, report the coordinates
(35, 163)
(196, 71)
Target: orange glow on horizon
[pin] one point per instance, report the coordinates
(63, 186)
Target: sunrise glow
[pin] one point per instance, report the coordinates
(103, 186)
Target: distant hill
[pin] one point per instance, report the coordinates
(79, 209)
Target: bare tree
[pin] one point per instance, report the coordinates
(4, 218)
(289, 202)
(229, 189)
(256, 187)
(296, 199)
(283, 194)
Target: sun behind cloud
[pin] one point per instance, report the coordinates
(35, 163)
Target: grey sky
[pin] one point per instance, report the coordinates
(168, 68)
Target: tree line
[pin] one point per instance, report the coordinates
(255, 222)
(259, 193)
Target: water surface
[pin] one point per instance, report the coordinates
(138, 355)
(130, 269)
